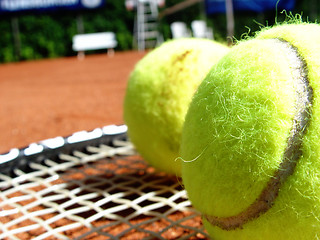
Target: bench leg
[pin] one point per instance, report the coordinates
(81, 55)
(110, 52)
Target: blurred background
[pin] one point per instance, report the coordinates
(37, 29)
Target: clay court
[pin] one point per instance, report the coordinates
(48, 98)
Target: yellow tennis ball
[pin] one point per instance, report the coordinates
(158, 94)
(251, 139)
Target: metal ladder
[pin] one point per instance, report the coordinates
(147, 35)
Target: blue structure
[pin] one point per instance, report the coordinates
(12, 6)
(218, 6)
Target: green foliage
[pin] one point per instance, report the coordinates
(6, 54)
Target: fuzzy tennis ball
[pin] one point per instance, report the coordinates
(251, 140)
(158, 94)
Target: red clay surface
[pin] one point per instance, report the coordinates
(49, 98)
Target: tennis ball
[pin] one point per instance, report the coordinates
(251, 139)
(158, 93)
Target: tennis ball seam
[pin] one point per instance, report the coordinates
(293, 151)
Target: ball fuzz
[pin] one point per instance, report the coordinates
(250, 142)
(158, 94)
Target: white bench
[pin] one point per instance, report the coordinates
(94, 41)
